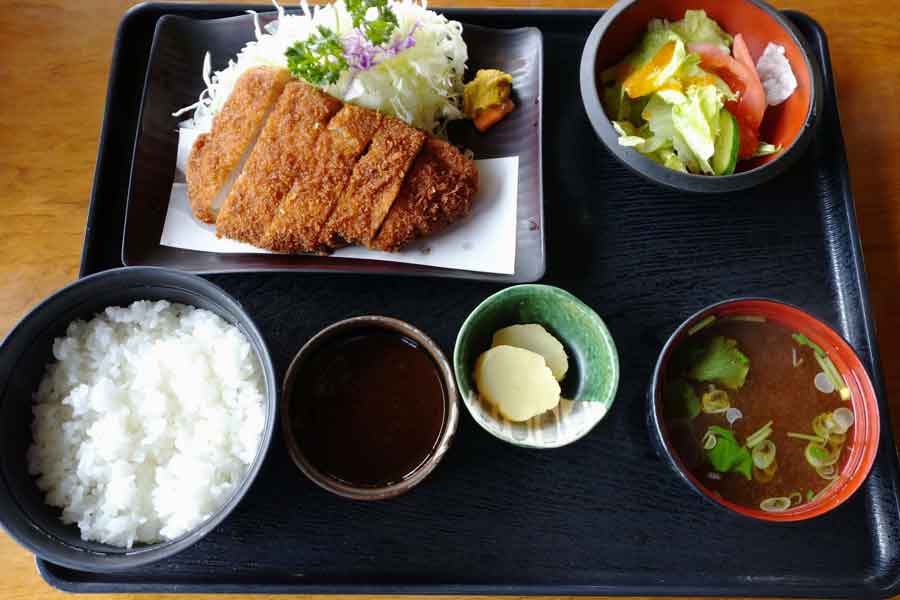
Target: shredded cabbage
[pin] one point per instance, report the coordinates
(422, 84)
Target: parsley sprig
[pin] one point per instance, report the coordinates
(320, 59)
(379, 30)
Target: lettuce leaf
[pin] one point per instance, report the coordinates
(697, 121)
(662, 141)
(722, 363)
(697, 27)
(628, 135)
(669, 159)
(727, 455)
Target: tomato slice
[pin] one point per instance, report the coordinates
(742, 54)
(744, 81)
(749, 139)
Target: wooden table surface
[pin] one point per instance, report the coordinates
(54, 61)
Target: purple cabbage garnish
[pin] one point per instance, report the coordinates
(362, 55)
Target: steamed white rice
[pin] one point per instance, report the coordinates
(147, 422)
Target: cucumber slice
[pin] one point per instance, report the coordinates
(728, 142)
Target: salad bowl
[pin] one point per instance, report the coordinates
(788, 127)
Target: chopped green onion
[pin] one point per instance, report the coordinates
(805, 436)
(759, 435)
(746, 318)
(818, 456)
(834, 376)
(778, 504)
(709, 440)
(836, 439)
(828, 472)
(702, 324)
(796, 498)
(822, 425)
(810, 495)
(805, 341)
(843, 420)
(763, 454)
(715, 401)
(733, 414)
(766, 475)
(823, 383)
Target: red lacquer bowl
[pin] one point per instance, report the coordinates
(863, 444)
(790, 124)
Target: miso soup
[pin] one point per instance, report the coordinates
(758, 413)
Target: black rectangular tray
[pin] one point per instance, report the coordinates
(604, 515)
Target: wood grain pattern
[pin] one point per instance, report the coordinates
(55, 63)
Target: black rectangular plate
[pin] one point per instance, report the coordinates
(604, 515)
(173, 80)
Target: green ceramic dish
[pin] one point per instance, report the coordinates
(590, 383)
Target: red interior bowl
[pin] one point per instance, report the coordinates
(789, 124)
(863, 444)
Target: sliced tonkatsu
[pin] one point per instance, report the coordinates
(310, 202)
(373, 186)
(217, 157)
(289, 168)
(283, 154)
(438, 191)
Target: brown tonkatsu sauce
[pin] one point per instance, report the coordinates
(368, 407)
(775, 390)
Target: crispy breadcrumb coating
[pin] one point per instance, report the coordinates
(374, 184)
(312, 199)
(438, 191)
(283, 153)
(216, 155)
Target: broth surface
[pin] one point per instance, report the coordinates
(775, 390)
(368, 407)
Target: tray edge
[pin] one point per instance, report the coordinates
(892, 586)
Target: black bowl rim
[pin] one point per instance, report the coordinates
(655, 420)
(149, 553)
(686, 181)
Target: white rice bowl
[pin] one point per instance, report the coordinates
(148, 421)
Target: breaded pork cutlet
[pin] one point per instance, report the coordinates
(283, 154)
(216, 157)
(373, 186)
(306, 209)
(438, 191)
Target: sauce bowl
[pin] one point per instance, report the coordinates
(291, 414)
(862, 444)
